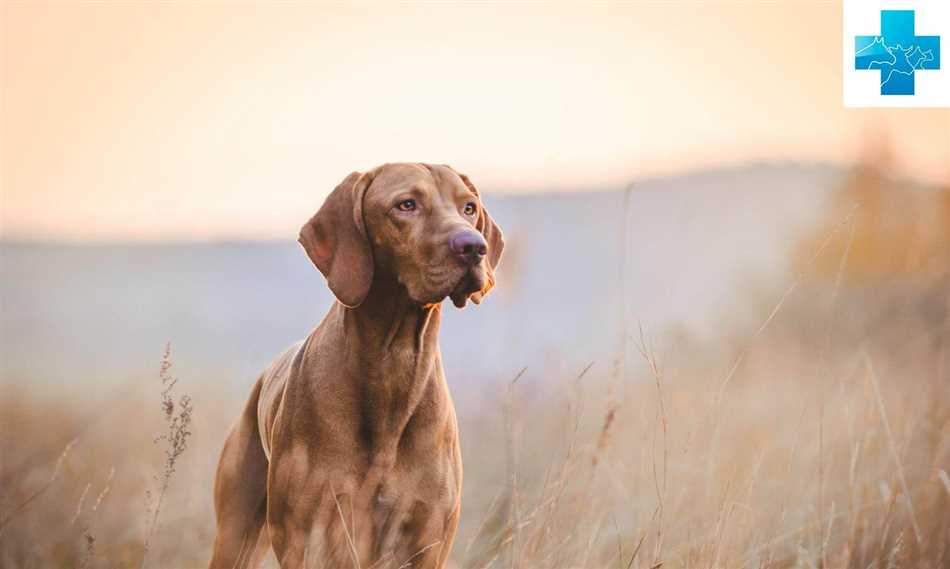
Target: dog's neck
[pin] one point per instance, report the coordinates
(388, 320)
(398, 367)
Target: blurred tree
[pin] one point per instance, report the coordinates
(882, 227)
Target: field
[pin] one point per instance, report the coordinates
(810, 430)
(820, 438)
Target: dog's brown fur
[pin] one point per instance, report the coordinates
(347, 453)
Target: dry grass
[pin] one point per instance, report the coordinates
(52, 526)
(814, 432)
(821, 450)
(835, 459)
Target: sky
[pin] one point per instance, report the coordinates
(150, 122)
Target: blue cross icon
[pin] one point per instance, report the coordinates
(897, 52)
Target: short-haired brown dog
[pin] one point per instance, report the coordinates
(347, 452)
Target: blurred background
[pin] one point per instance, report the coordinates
(756, 279)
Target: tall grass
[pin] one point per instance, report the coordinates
(812, 432)
(74, 543)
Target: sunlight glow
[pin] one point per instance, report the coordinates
(179, 121)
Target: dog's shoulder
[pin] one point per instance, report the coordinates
(273, 383)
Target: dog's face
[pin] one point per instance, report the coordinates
(422, 221)
(420, 225)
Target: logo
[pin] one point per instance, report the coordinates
(900, 64)
(897, 53)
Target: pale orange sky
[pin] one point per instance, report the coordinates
(133, 121)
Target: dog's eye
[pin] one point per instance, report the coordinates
(469, 209)
(407, 205)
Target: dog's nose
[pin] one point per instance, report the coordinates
(470, 246)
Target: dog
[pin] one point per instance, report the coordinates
(347, 451)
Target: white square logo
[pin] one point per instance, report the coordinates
(895, 53)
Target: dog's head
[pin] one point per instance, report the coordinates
(421, 225)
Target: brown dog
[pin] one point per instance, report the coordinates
(347, 449)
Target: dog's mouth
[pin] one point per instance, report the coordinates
(472, 280)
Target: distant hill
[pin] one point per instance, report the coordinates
(77, 315)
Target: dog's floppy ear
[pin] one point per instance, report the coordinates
(335, 240)
(493, 236)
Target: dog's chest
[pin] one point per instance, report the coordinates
(415, 502)
(433, 482)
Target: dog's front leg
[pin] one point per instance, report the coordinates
(313, 525)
